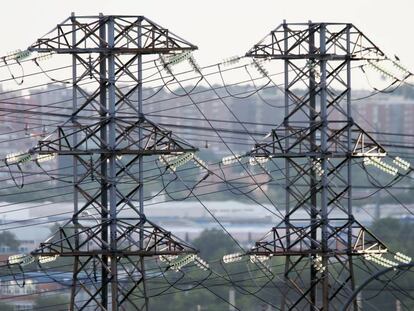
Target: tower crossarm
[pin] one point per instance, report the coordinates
(301, 144)
(153, 141)
(291, 41)
(129, 30)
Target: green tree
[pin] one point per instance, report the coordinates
(214, 243)
(9, 239)
(51, 302)
(396, 234)
(6, 307)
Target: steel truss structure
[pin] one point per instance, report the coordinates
(108, 136)
(319, 142)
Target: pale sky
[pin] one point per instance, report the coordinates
(220, 28)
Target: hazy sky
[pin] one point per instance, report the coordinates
(220, 28)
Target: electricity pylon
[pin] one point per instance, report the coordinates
(108, 137)
(319, 142)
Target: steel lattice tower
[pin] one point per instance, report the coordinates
(108, 137)
(319, 142)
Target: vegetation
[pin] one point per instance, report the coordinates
(51, 302)
(213, 244)
(9, 239)
(398, 236)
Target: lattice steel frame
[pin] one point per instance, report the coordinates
(100, 237)
(319, 142)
